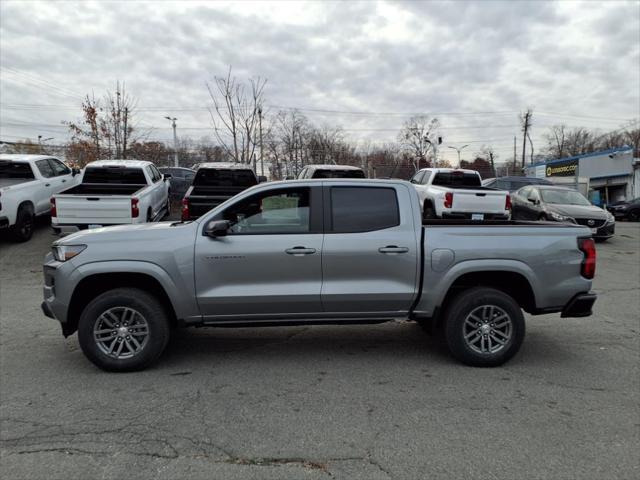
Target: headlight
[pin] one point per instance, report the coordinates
(610, 218)
(560, 218)
(62, 253)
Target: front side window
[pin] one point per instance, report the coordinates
(59, 168)
(281, 211)
(417, 178)
(45, 168)
(363, 209)
(425, 179)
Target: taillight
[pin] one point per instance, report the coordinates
(588, 248)
(135, 212)
(507, 203)
(54, 211)
(185, 209)
(448, 199)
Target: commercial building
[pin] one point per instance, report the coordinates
(606, 176)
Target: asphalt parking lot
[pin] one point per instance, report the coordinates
(352, 402)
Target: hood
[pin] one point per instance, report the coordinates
(126, 233)
(578, 211)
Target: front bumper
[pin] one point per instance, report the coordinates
(606, 231)
(580, 305)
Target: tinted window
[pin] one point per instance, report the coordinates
(45, 168)
(176, 172)
(59, 168)
(210, 177)
(272, 212)
(524, 192)
(15, 170)
(119, 175)
(326, 173)
(363, 209)
(457, 179)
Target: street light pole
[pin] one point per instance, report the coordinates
(459, 150)
(40, 140)
(175, 140)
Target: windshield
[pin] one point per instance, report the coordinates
(210, 177)
(457, 179)
(564, 197)
(15, 170)
(117, 175)
(338, 174)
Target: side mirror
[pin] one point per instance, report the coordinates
(533, 200)
(166, 176)
(216, 228)
(75, 171)
(262, 179)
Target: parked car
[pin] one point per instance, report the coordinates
(112, 192)
(213, 184)
(315, 252)
(26, 185)
(511, 184)
(629, 210)
(562, 204)
(179, 180)
(331, 171)
(458, 193)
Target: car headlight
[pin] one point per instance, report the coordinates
(560, 218)
(62, 253)
(610, 218)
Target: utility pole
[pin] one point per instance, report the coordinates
(459, 150)
(261, 145)
(175, 141)
(526, 119)
(515, 155)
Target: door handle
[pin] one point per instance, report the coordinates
(64, 180)
(297, 251)
(393, 249)
(47, 184)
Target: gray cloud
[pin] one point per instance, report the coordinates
(385, 57)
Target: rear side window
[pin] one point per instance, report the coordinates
(326, 173)
(425, 179)
(45, 168)
(16, 170)
(457, 179)
(363, 209)
(118, 175)
(210, 177)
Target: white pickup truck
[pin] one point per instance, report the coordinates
(458, 193)
(26, 185)
(112, 192)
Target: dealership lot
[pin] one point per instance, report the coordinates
(382, 401)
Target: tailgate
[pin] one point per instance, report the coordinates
(479, 201)
(98, 210)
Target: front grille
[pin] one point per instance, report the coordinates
(585, 221)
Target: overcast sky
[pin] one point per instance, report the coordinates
(364, 66)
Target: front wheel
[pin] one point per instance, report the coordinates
(124, 329)
(484, 327)
(634, 215)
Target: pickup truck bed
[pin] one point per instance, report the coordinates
(315, 252)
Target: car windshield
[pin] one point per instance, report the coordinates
(338, 174)
(15, 170)
(211, 177)
(457, 179)
(564, 197)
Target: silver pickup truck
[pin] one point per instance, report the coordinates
(316, 252)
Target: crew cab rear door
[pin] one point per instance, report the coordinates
(371, 253)
(269, 263)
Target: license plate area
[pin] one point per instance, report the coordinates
(477, 216)
(594, 230)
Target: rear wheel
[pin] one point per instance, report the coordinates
(23, 229)
(484, 327)
(124, 329)
(427, 211)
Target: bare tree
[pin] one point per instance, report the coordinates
(488, 153)
(416, 137)
(235, 115)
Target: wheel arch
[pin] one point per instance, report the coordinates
(95, 284)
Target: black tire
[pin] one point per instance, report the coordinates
(634, 215)
(143, 303)
(477, 300)
(22, 231)
(428, 212)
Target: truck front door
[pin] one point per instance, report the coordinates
(269, 264)
(371, 255)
